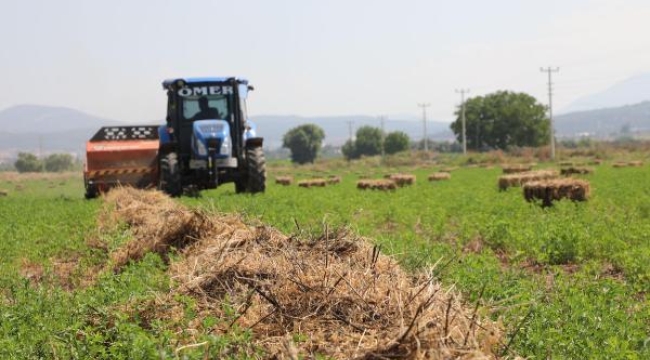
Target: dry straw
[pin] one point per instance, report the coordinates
(516, 168)
(312, 183)
(376, 184)
(347, 299)
(284, 180)
(439, 176)
(556, 189)
(576, 170)
(506, 181)
(333, 179)
(401, 180)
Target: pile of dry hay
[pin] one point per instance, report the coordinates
(516, 168)
(312, 183)
(575, 170)
(334, 179)
(401, 180)
(376, 184)
(344, 297)
(439, 176)
(284, 180)
(621, 164)
(556, 189)
(519, 179)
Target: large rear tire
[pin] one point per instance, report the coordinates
(256, 170)
(91, 191)
(170, 176)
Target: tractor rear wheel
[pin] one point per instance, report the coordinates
(91, 191)
(256, 170)
(170, 177)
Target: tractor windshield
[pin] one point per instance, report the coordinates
(206, 107)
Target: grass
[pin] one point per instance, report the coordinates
(569, 281)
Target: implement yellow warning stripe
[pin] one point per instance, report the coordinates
(121, 171)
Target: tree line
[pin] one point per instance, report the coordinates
(500, 120)
(28, 162)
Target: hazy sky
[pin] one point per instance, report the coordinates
(309, 58)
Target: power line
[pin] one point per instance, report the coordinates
(550, 71)
(424, 107)
(462, 93)
(350, 122)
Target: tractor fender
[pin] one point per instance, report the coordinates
(254, 142)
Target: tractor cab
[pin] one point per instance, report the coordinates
(207, 130)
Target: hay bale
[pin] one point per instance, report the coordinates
(516, 168)
(376, 184)
(333, 179)
(312, 183)
(439, 176)
(284, 180)
(506, 181)
(622, 164)
(556, 189)
(402, 180)
(575, 170)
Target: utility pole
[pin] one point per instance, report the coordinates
(424, 107)
(462, 93)
(383, 136)
(350, 122)
(551, 70)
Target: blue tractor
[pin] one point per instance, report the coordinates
(207, 139)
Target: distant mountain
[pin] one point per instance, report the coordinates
(47, 129)
(44, 119)
(604, 122)
(337, 128)
(631, 91)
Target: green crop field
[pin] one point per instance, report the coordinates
(567, 281)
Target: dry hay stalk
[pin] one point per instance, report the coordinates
(351, 300)
(511, 180)
(157, 223)
(556, 189)
(439, 176)
(333, 179)
(402, 180)
(376, 184)
(284, 180)
(621, 164)
(312, 183)
(516, 168)
(576, 170)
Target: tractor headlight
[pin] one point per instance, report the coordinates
(225, 146)
(200, 148)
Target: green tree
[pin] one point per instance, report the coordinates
(349, 150)
(59, 163)
(304, 142)
(368, 141)
(395, 142)
(28, 162)
(501, 120)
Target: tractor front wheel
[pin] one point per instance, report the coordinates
(256, 170)
(170, 177)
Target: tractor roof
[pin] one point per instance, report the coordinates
(196, 80)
